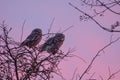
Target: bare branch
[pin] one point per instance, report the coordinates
(22, 30)
(74, 74)
(94, 58)
(106, 29)
(51, 25)
(23, 63)
(111, 75)
(67, 29)
(108, 7)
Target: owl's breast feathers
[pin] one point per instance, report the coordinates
(53, 44)
(33, 39)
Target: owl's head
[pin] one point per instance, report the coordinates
(37, 30)
(60, 36)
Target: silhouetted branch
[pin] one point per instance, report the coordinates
(108, 8)
(22, 30)
(112, 75)
(51, 25)
(23, 63)
(104, 28)
(74, 74)
(95, 3)
(94, 58)
(67, 29)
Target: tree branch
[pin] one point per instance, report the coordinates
(106, 29)
(94, 58)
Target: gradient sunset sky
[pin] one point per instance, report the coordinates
(86, 37)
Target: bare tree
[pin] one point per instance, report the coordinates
(23, 63)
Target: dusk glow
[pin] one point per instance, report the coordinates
(86, 37)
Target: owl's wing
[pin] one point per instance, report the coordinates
(50, 41)
(47, 44)
(30, 39)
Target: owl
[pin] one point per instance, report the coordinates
(33, 39)
(53, 44)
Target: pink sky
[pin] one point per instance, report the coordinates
(86, 37)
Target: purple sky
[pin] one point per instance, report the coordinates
(86, 37)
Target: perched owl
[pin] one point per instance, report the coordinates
(53, 44)
(33, 39)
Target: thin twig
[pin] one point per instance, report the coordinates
(51, 25)
(67, 29)
(106, 29)
(113, 74)
(109, 70)
(22, 30)
(92, 75)
(73, 55)
(74, 74)
(50, 28)
(101, 77)
(98, 5)
(108, 7)
(94, 58)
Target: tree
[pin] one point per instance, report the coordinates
(23, 63)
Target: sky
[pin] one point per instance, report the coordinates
(85, 36)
